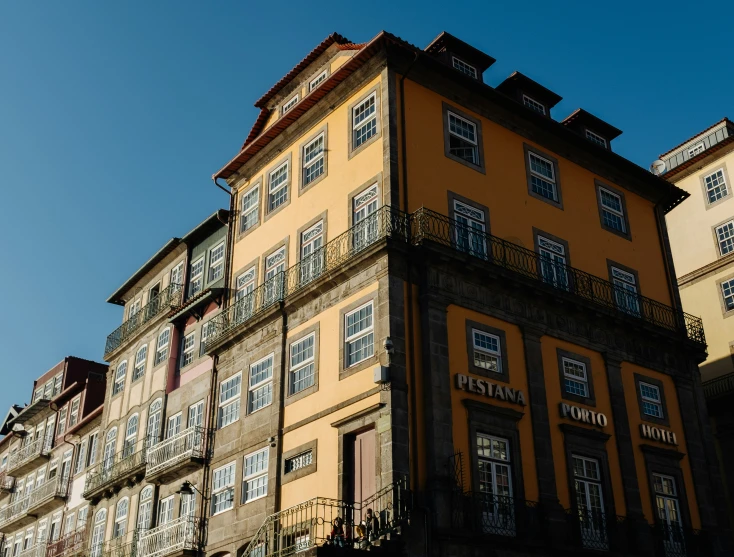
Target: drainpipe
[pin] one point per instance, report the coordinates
(230, 241)
(281, 406)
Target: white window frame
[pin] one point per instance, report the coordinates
(188, 349)
(145, 508)
(552, 180)
(364, 123)
(473, 144)
(196, 280)
(583, 381)
(253, 388)
(132, 426)
(176, 276)
(722, 228)
(161, 348)
(696, 149)
(596, 139)
(532, 104)
(290, 103)
(496, 354)
(173, 425)
(463, 67)
(216, 266)
(470, 229)
(247, 207)
(93, 442)
(195, 415)
(81, 456)
(120, 526)
(153, 425)
(657, 402)
(350, 339)
(273, 194)
(165, 510)
(61, 425)
(306, 362)
(258, 473)
(233, 399)
(710, 186)
(228, 470)
(727, 293)
(309, 163)
(612, 210)
(245, 283)
(318, 80)
(74, 411)
(141, 359)
(120, 372)
(206, 331)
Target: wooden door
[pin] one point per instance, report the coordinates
(363, 479)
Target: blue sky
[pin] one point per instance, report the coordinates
(114, 115)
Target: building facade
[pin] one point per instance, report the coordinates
(45, 456)
(448, 306)
(702, 240)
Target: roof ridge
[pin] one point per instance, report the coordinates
(724, 119)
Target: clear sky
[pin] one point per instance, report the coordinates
(114, 116)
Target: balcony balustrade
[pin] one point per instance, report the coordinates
(674, 540)
(30, 456)
(126, 466)
(47, 497)
(178, 537)
(175, 457)
(72, 544)
(169, 298)
(38, 549)
(487, 514)
(719, 387)
(123, 546)
(15, 515)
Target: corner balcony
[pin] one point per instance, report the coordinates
(177, 456)
(125, 468)
(719, 387)
(29, 457)
(181, 537)
(168, 299)
(73, 544)
(15, 516)
(49, 496)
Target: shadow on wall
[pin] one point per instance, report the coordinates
(711, 369)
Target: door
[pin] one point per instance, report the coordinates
(668, 511)
(590, 502)
(625, 291)
(364, 218)
(495, 485)
(470, 230)
(553, 262)
(362, 471)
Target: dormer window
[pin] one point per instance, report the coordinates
(533, 104)
(318, 80)
(463, 67)
(595, 138)
(696, 149)
(290, 104)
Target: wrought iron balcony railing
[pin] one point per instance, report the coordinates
(169, 298)
(123, 546)
(719, 386)
(38, 549)
(72, 543)
(41, 447)
(384, 223)
(674, 540)
(117, 468)
(484, 513)
(45, 493)
(14, 511)
(183, 534)
(428, 225)
(191, 443)
(311, 523)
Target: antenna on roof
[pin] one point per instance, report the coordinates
(658, 167)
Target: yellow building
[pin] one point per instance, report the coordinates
(449, 308)
(702, 238)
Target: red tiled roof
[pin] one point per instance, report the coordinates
(724, 119)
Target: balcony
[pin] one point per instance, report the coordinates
(15, 515)
(326, 261)
(71, 545)
(719, 387)
(309, 524)
(36, 550)
(599, 531)
(30, 456)
(175, 457)
(183, 536)
(7, 483)
(48, 496)
(168, 299)
(125, 467)
(124, 546)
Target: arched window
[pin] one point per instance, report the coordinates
(131, 436)
(121, 518)
(161, 348)
(145, 508)
(120, 372)
(109, 449)
(154, 422)
(100, 519)
(140, 361)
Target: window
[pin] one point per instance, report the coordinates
(48, 389)
(299, 461)
(81, 517)
(625, 291)
(463, 67)
(697, 149)
(364, 218)
(37, 394)
(495, 484)
(250, 214)
(255, 476)
(612, 210)
(216, 262)
(589, 501)
(313, 160)
(716, 187)
(140, 358)
(278, 187)
(174, 426)
(154, 422)
(97, 545)
(595, 138)
(470, 229)
(274, 265)
(260, 385)
(81, 456)
(364, 121)
(134, 309)
(302, 364)
(161, 347)
(93, 439)
(120, 372)
(651, 400)
(463, 142)
(727, 291)
(165, 510)
(121, 518)
(177, 274)
(312, 256)
(575, 380)
(725, 237)
(196, 415)
(533, 104)
(229, 400)
(145, 508)
(74, 413)
(131, 436)
(57, 383)
(196, 273)
(28, 538)
(223, 489)
(358, 335)
(668, 513)
(487, 353)
(318, 80)
(293, 101)
(61, 428)
(245, 284)
(553, 262)
(542, 177)
(187, 505)
(187, 349)
(108, 457)
(207, 330)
